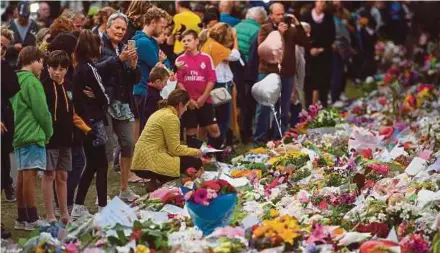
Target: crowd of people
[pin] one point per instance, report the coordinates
(82, 93)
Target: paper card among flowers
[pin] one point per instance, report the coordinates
(117, 211)
(417, 164)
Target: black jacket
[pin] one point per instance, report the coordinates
(251, 70)
(29, 40)
(131, 30)
(10, 87)
(86, 75)
(151, 104)
(61, 107)
(117, 77)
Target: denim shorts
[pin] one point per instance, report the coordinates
(31, 157)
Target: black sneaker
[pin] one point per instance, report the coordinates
(116, 167)
(5, 234)
(10, 194)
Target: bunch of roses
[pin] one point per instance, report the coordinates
(311, 114)
(415, 243)
(208, 191)
(333, 199)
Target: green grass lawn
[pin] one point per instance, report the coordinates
(9, 210)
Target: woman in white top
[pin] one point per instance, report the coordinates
(222, 46)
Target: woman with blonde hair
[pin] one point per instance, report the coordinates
(222, 46)
(101, 20)
(76, 17)
(136, 17)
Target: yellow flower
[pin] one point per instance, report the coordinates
(39, 249)
(258, 151)
(288, 235)
(274, 213)
(260, 231)
(142, 249)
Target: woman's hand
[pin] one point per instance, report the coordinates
(200, 173)
(89, 92)
(127, 54)
(133, 61)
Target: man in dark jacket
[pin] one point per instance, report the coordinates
(24, 30)
(250, 77)
(292, 36)
(119, 85)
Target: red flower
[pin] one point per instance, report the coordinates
(382, 101)
(323, 205)
(369, 184)
(375, 228)
(135, 234)
(367, 153)
(174, 198)
(387, 132)
(191, 171)
(211, 184)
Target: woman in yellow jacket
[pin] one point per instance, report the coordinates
(158, 154)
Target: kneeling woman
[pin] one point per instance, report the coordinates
(158, 154)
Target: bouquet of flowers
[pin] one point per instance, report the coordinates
(210, 204)
(281, 231)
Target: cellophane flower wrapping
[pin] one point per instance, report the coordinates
(217, 214)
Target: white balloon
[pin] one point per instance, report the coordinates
(267, 91)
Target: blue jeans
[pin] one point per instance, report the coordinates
(262, 116)
(223, 112)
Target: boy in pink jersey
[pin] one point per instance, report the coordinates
(197, 77)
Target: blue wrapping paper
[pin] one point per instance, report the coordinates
(217, 214)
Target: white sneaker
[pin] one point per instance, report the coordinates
(31, 226)
(79, 211)
(338, 104)
(343, 98)
(128, 195)
(108, 200)
(20, 225)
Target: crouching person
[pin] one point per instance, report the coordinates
(158, 154)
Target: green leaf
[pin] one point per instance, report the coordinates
(113, 240)
(137, 225)
(122, 237)
(413, 197)
(22, 242)
(85, 238)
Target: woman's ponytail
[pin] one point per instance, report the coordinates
(162, 103)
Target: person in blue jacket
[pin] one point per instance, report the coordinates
(149, 56)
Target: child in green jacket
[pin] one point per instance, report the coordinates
(33, 129)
